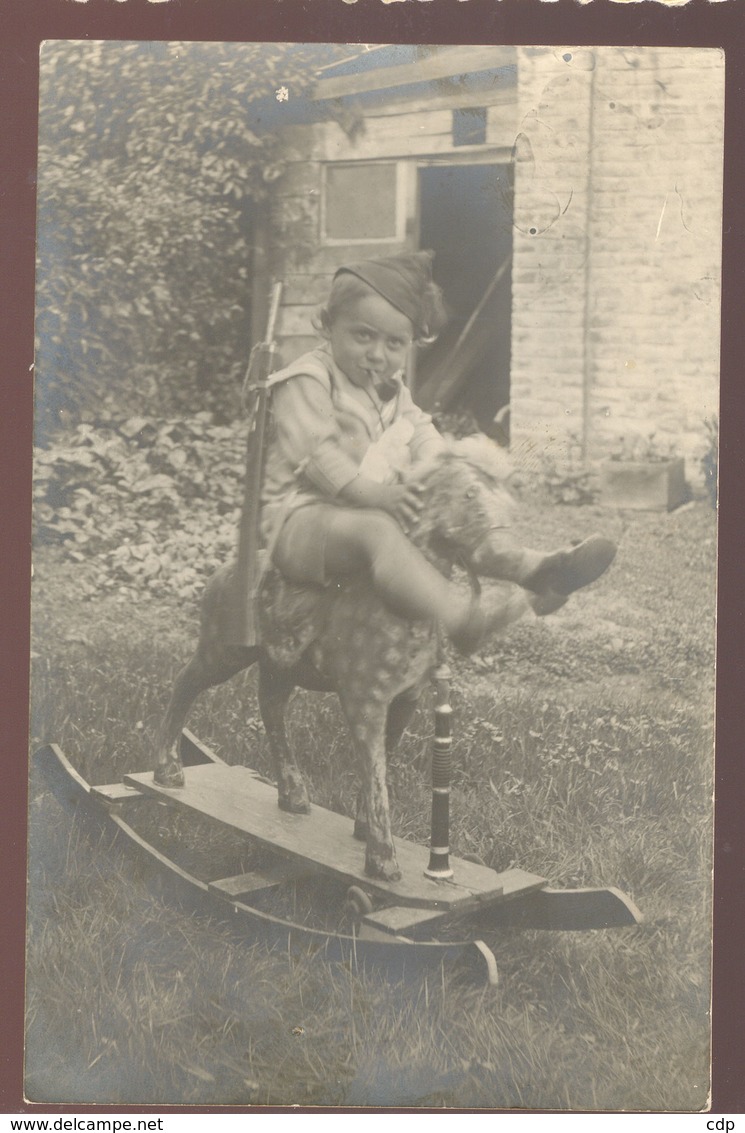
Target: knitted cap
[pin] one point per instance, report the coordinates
(405, 281)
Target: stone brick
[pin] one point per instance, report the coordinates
(645, 242)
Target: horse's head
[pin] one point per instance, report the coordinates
(466, 502)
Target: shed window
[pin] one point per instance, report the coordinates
(469, 126)
(361, 202)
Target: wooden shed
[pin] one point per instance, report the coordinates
(412, 148)
(572, 198)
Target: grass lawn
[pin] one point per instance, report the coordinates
(583, 752)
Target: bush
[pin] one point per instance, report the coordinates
(568, 482)
(152, 160)
(147, 503)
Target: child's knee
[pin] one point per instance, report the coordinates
(357, 537)
(379, 525)
(377, 533)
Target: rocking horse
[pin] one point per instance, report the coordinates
(342, 638)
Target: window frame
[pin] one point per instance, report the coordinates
(459, 121)
(399, 233)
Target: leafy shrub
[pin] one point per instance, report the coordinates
(145, 502)
(568, 482)
(649, 449)
(554, 476)
(152, 158)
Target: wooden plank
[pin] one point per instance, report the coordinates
(564, 910)
(398, 919)
(326, 259)
(515, 882)
(336, 146)
(496, 92)
(305, 145)
(439, 65)
(115, 794)
(466, 155)
(501, 126)
(323, 839)
(257, 881)
(424, 122)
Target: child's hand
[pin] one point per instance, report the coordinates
(404, 502)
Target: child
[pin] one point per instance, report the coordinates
(326, 514)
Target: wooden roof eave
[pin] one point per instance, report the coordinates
(448, 63)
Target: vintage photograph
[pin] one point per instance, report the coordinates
(375, 542)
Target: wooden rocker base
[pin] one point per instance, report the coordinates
(400, 925)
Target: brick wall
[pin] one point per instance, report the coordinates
(617, 248)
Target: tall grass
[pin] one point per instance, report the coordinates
(130, 1000)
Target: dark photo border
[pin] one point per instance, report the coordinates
(24, 24)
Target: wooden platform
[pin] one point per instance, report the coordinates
(323, 841)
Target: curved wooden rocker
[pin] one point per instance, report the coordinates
(403, 926)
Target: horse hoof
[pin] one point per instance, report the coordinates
(295, 802)
(169, 775)
(386, 869)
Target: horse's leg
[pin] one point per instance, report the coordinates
(360, 817)
(275, 689)
(380, 856)
(208, 667)
(367, 719)
(400, 711)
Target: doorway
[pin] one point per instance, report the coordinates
(465, 218)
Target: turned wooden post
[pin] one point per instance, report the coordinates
(439, 854)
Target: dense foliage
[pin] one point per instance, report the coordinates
(148, 504)
(153, 158)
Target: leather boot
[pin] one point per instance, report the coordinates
(562, 572)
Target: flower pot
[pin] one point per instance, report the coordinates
(657, 485)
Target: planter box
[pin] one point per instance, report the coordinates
(645, 486)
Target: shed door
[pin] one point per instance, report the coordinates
(465, 217)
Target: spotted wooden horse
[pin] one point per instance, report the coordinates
(342, 638)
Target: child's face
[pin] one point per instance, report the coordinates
(369, 340)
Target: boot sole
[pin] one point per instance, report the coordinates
(574, 569)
